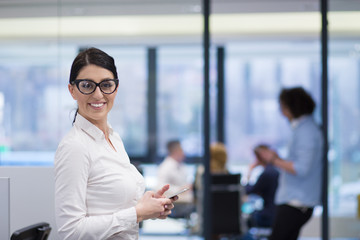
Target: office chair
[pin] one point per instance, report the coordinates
(39, 231)
(226, 202)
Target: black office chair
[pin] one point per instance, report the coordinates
(39, 231)
(226, 202)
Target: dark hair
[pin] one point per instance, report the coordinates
(171, 145)
(91, 56)
(260, 146)
(297, 100)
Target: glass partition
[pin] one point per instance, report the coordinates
(256, 72)
(267, 46)
(180, 98)
(38, 45)
(276, 49)
(344, 138)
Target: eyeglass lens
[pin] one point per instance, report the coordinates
(106, 86)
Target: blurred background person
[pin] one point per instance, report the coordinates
(300, 172)
(173, 171)
(265, 187)
(218, 160)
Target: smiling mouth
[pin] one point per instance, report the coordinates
(97, 105)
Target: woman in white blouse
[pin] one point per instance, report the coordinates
(99, 194)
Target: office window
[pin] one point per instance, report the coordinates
(36, 109)
(344, 108)
(180, 98)
(129, 114)
(29, 103)
(344, 137)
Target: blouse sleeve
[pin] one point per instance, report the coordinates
(72, 165)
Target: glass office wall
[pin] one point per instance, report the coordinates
(257, 69)
(278, 49)
(255, 74)
(344, 85)
(129, 114)
(38, 45)
(180, 98)
(267, 47)
(30, 102)
(36, 108)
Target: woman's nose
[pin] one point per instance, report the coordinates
(97, 92)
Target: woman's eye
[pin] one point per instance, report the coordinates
(86, 85)
(107, 84)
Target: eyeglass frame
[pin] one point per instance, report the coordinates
(78, 81)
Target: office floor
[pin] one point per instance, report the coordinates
(174, 229)
(198, 238)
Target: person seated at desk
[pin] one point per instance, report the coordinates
(173, 171)
(265, 187)
(218, 160)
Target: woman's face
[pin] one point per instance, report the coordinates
(286, 111)
(95, 106)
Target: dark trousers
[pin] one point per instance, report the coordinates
(288, 222)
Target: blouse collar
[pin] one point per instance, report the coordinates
(90, 128)
(296, 122)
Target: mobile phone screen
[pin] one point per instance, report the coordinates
(179, 192)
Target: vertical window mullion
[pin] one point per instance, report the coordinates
(151, 108)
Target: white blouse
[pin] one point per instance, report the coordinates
(96, 187)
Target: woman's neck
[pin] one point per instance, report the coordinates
(104, 128)
(102, 125)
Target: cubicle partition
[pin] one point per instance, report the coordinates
(31, 197)
(4, 208)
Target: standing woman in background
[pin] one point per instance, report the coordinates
(299, 189)
(99, 194)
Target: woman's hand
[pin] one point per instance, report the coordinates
(252, 166)
(154, 205)
(160, 194)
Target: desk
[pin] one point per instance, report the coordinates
(4, 208)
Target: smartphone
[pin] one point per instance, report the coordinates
(181, 191)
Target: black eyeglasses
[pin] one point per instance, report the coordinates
(87, 86)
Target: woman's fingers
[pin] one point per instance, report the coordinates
(173, 199)
(160, 192)
(152, 207)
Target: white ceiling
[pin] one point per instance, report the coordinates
(50, 8)
(129, 21)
